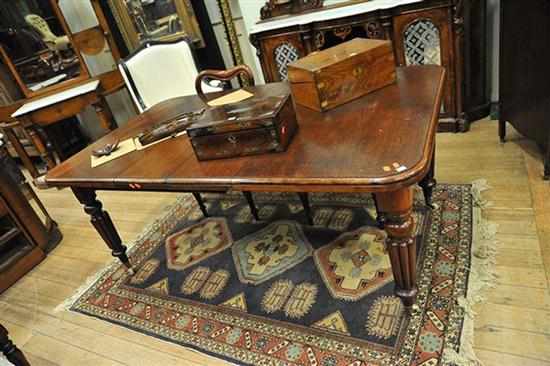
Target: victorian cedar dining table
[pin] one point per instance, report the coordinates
(382, 143)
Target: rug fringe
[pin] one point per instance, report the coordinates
(482, 277)
(113, 263)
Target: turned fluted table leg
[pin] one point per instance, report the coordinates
(399, 225)
(10, 350)
(102, 223)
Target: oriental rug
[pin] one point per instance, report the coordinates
(281, 292)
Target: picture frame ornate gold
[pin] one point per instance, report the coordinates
(232, 36)
(131, 34)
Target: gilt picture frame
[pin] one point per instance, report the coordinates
(232, 36)
(141, 21)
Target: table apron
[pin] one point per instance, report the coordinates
(65, 109)
(242, 187)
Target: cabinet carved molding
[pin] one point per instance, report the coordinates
(450, 33)
(274, 8)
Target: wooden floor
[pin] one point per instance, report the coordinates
(512, 327)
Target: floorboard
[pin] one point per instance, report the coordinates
(512, 326)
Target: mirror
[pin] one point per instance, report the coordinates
(37, 47)
(163, 20)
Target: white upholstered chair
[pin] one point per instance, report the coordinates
(158, 71)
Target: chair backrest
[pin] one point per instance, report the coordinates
(41, 26)
(158, 71)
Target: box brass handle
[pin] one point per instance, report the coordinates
(232, 139)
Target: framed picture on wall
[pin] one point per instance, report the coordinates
(164, 20)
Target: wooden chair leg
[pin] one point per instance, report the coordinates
(380, 217)
(307, 209)
(41, 146)
(105, 115)
(200, 201)
(253, 209)
(502, 130)
(21, 152)
(12, 353)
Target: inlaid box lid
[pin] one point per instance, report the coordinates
(255, 112)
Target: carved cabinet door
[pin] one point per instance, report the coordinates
(277, 52)
(424, 38)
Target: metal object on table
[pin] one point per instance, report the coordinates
(106, 150)
(169, 128)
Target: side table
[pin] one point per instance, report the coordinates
(35, 113)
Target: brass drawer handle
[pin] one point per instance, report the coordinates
(232, 139)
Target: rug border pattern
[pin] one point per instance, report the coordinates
(184, 206)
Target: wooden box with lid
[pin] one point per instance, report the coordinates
(326, 79)
(264, 123)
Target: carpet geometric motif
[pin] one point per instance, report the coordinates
(281, 292)
(197, 242)
(355, 264)
(383, 320)
(270, 251)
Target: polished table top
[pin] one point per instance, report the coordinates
(345, 149)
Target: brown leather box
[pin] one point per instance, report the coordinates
(326, 79)
(262, 124)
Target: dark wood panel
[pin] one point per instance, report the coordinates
(23, 236)
(476, 103)
(524, 59)
(524, 94)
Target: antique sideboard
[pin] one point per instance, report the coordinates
(450, 33)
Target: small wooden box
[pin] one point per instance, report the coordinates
(256, 126)
(326, 79)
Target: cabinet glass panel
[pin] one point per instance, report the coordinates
(422, 43)
(284, 54)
